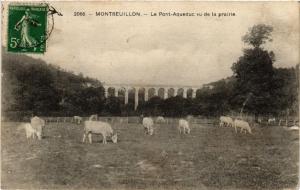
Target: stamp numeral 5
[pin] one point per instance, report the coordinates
(14, 42)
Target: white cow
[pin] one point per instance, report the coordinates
(295, 127)
(183, 126)
(259, 120)
(93, 117)
(30, 132)
(77, 119)
(99, 127)
(148, 125)
(244, 125)
(38, 124)
(226, 121)
(160, 119)
(271, 120)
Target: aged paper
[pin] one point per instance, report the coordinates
(149, 95)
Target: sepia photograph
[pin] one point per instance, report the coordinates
(154, 95)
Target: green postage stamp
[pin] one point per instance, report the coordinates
(27, 28)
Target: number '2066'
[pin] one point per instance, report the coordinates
(79, 13)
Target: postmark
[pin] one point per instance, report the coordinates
(27, 28)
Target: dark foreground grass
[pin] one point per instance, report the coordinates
(208, 158)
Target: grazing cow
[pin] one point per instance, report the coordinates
(38, 124)
(183, 126)
(30, 132)
(77, 119)
(93, 117)
(295, 127)
(271, 120)
(244, 125)
(160, 119)
(148, 125)
(99, 127)
(226, 121)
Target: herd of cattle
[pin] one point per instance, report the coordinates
(237, 123)
(93, 126)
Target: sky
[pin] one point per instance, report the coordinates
(166, 50)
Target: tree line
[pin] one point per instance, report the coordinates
(31, 86)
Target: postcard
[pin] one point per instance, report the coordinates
(125, 95)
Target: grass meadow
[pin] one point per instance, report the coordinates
(209, 158)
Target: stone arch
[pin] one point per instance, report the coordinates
(111, 91)
(121, 94)
(131, 95)
(151, 92)
(198, 91)
(189, 93)
(161, 93)
(141, 95)
(180, 92)
(171, 92)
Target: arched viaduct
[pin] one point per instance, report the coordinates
(145, 92)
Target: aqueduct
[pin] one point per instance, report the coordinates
(145, 92)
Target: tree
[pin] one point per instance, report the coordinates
(174, 106)
(286, 86)
(35, 92)
(113, 105)
(254, 73)
(152, 107)
(258, 35)
(213, 101)
(90, 100)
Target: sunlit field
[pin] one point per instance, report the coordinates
(209, 158)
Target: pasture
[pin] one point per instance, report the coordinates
(209, 158)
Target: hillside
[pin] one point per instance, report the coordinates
(32, 85)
